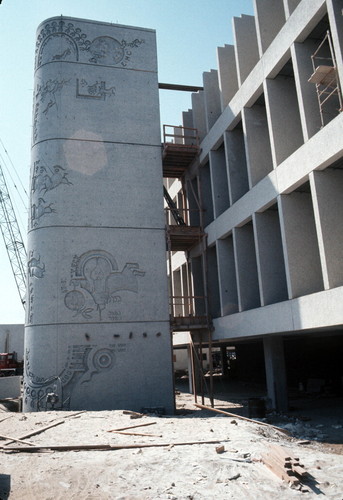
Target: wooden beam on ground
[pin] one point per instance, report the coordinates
(103, 447)
(242, 418)
(136, 434)
(131, 427)
(12, 439)
(34, 433)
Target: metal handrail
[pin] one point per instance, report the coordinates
(179, 133)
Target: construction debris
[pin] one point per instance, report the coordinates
(133, 414)
(220, 449)
(284, 431)
(284, 465)
(102, 447)
(131, 427)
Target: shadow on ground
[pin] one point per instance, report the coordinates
(310, 417)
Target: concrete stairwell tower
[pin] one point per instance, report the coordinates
(97, 327)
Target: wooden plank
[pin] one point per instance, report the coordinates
(37, 431)
(132, 427)
(242, 418)
(104, 447)
(11, 439)
(6, 418)
(136, 434)
(283, 452)
(299, 470)
(280, 472)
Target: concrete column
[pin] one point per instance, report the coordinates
(185, 289)
(177, 293)
(97, 281)
(227, 74)
(246, 47)
(270, 260)
(299, 238)
(198, 286)
(257, 143)
(206, 194)
(237, 164)
(220, 188)
(336, 27)
(199, 118)
(193, 200)
(246, 268)
(283, 117)
(275, 372)
(212, 98)
(307, 94)
(187, 120)
(270, 17)
(190, 369)
(227, 276)
(212, 283)
(290, 6)
(327, 188)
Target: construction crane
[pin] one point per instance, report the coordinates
(12, 237)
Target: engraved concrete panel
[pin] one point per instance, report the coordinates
(64, 171)
(97, 318)
(88, 371)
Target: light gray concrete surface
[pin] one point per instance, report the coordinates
(10, 387)
(12, 339)
(227, 74)
(327, 187)
(212, 97)
(270, 17)
(246, 47)
(97, 327)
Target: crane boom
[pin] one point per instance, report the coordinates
(12, 237)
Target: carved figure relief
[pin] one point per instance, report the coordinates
(40, 209)
(44, 180)
(96, 283)
(35, 266)
(60, 37)
(61, 41)
(36, 269)
(82, 364)
(107, 50)
(45, 100)
(96, 90)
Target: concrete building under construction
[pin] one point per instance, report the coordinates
(251, 228)
(255, 180)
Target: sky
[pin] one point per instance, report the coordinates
(188, 33)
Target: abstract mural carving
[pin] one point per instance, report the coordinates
(96, 283)
(83, 362)
(63, 41)
(96, 90)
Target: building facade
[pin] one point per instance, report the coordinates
(269, 175)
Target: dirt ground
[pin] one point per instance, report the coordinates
(174, 471)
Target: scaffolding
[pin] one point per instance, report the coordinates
(325, 77)
(184, 231)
